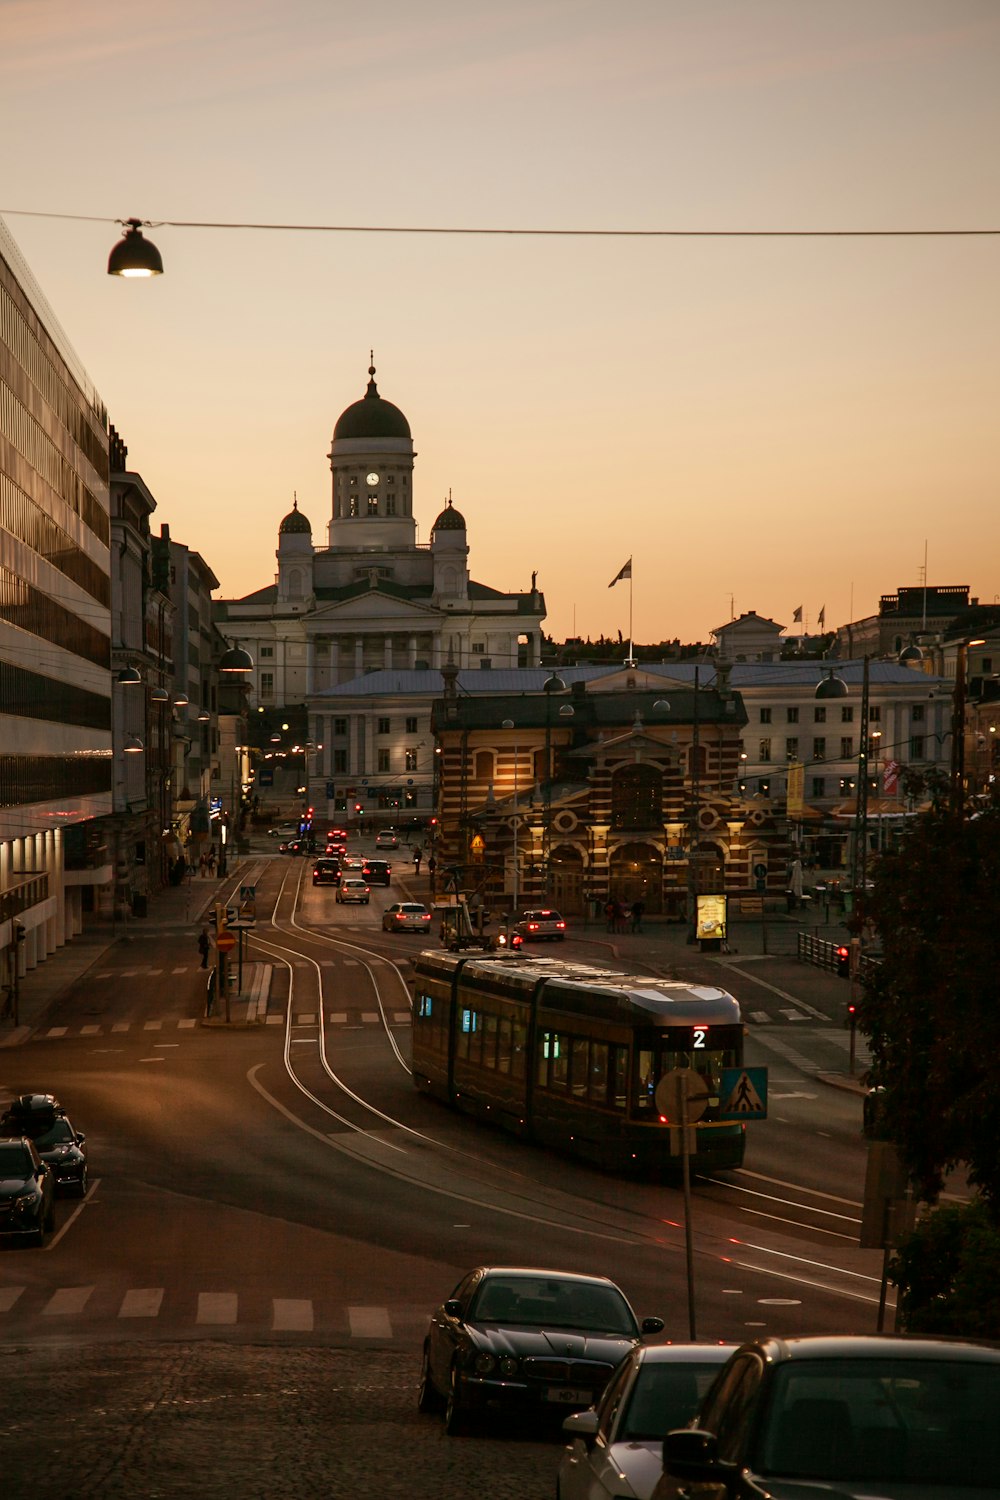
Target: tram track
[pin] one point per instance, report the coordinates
(386, 1143)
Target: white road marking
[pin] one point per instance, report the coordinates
(67, 1301)
(8, 1296)
(90, 1031)
(121, 1026)
(760, 1015)
(293, 1315)
(186, 1022)
(141, 1302)
(369, 1016)
(369, 1323)
(56, 1031)
(217, 1307)
(152, 1059)
(153, 1026)
(338, 1017)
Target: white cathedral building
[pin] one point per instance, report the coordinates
(373, 599)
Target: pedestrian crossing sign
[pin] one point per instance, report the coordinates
(743, 1092)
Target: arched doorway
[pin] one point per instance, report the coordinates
(566, 880)
(635, 873)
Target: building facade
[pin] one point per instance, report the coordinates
(56, 767)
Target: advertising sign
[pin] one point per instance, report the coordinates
(796, 789)
(711, 916)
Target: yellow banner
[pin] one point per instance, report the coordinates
(796, 789)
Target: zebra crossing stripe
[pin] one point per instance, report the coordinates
(8, 1296)
(217, 1307)
(67, 1301)
(292, 1315)
(369, 1323)
(141, 1302)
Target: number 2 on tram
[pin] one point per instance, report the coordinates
(570, 1056)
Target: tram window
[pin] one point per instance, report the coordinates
(618, 1072)
(468, 1037)
(489, 1040)
(597, 1083)
(519, 1052)
(645, 1078)
(425, 1007)
(505, 1044)
(579, 1070)
(542, 1061)
(559, 1062)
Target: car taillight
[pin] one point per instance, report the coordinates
(532, 926)
(560, 924)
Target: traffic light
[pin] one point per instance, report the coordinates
(852, 1013)
(843, 957)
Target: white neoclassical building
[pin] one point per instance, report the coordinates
(374, 598)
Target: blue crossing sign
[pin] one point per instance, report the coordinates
(742, 1094)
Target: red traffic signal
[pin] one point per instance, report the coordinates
(843, 957)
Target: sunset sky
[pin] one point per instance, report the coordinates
(762, 423)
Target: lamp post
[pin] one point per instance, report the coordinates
(553, 684)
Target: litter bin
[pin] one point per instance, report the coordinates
(139, 904)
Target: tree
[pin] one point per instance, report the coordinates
(946, 1272)
(931, 1009)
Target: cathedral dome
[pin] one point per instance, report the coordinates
(371, 417)
(294, 521)
(450, 519)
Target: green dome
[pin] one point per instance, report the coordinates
(371, 417)
(294, 521)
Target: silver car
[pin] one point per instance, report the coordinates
(353, 889)
(616, 1447)
(406, 916)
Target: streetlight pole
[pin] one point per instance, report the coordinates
(553, 684)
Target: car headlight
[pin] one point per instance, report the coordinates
(23, 1201)
(508, 1366)
(484, 1363)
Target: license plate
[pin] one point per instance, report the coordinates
(568, 1396)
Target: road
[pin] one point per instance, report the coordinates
(276, 1209)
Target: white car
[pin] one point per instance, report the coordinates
(353, 889)
(406, 916)
(616, 1447)
(387, 838)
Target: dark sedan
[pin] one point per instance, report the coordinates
(326, 872)
(513, 1337)
(27, 1191)
(854, 1417)
(42, 1119)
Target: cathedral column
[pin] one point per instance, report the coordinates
(387, 651)
(412, 650)
(359, 655)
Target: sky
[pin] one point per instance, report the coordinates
(760, 423)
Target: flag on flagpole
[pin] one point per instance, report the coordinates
(625, 572)
(797, 616)
(821, 617)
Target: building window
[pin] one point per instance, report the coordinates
(390, 479)
(987, 664)
(917, 747)
(267, 684)
(793, 715)
(818, 786)
(266, 651)
(764, 752)
(373, 505)
(383, 760)
(411, 726)
(792, 749)
(847, 715)
(875, 713)
(819, 749)
(390, 505)
(846, 746)
(409, 760)
(340, 726)
(819, 714)
(340, 762)
(354, 505)
(382, 726)
(478, 648)
(765, 716)
(917, 713)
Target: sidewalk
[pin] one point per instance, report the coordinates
(175, 910)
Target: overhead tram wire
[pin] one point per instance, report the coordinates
(543, 231)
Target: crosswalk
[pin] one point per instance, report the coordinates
(345, 1019)
(81, 1308)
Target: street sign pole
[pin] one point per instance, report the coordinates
(688, 1232)
(683, 1095)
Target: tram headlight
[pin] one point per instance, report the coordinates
(484, 1363)
(508, 1366)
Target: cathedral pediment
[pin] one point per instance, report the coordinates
(371, 607)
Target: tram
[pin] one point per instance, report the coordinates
(570, 1055)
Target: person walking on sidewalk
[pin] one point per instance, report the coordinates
(203, 946)
(416, 861)
(638, 909)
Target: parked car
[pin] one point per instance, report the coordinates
(513, 1337)
(288, 831)
(326, 872)
(42, 1120)
(387, 838)
(616, 1447)
(406, 916)
(353, 888)
(883, 1415)
(27, 1191)
(543, 923)
(377, 871)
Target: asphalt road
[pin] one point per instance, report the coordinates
(240, 1300)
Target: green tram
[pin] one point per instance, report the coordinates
(570, 1056)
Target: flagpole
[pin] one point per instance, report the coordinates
(630, 636)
